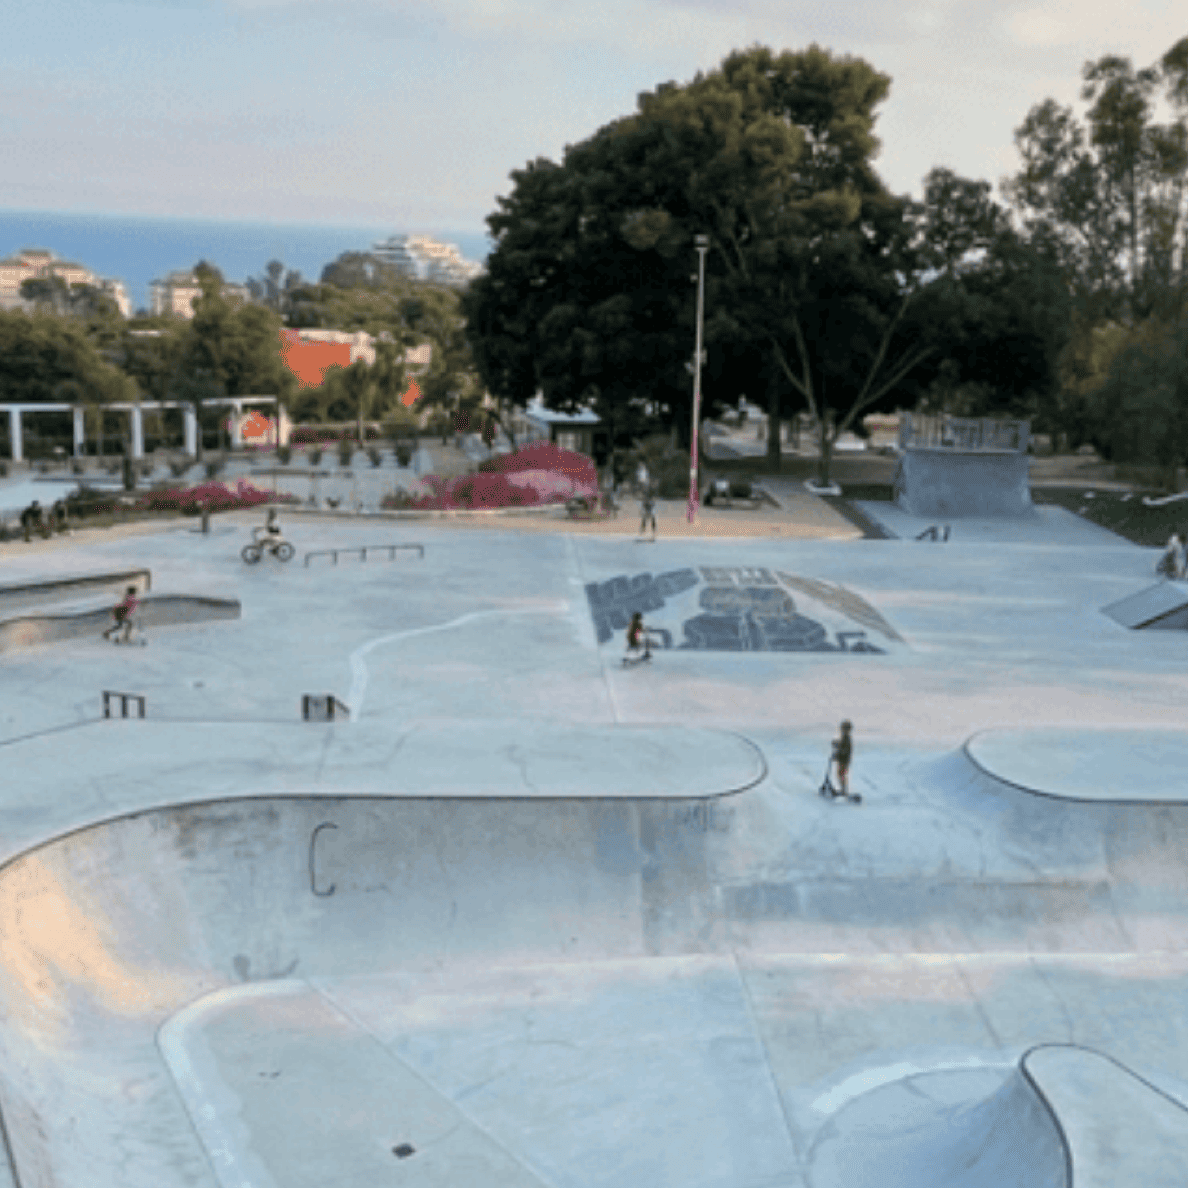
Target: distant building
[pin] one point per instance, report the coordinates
(426, 259)
(309, 354)
(582, 432)
(179, 290)
(38, 263)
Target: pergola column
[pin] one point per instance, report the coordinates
(137, 432)
(80, 430)
(191, 423)
(14, 434)
(237, 413)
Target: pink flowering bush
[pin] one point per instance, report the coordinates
(211, 495)
(544, 455)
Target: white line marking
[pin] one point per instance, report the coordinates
(359, 668)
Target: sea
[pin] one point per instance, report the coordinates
(139, 249)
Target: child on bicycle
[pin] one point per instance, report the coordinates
(273, 537)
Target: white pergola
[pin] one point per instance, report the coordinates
(137, 409)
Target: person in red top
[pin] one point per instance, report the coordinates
(123, 612)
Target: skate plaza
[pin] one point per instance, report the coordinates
(503, 911)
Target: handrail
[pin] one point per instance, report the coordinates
(363, 550)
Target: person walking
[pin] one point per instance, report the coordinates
(647, 503)
(123, 612)
(1171, 563)
(31, 518)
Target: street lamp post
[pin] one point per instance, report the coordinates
(701, 242)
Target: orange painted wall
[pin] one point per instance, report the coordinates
(309, 361)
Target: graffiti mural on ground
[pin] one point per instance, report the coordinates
(739, 609)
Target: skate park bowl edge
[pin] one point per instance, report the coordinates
(311, 987)
(939, 481)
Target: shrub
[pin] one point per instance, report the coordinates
(375, 456)
(284, 454)
(214, 497)
(544, 455)
(403, 454)
(113, 467)
(213, 468)
(346, 451)
(3, 470)
(178, 468)
(77, 466)
(315, 456)
(43, 468)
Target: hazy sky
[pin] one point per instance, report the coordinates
(413, 112)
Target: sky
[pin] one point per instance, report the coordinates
(412, 113)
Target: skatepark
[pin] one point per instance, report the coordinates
(519, 915)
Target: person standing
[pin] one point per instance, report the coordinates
(647, 504)
(843, 752)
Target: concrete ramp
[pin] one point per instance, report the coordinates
(111, 931)
(955, 483)
(1121, 1130)
(19, 596)
(91, 616)
(1163, 607)
(960, 1128)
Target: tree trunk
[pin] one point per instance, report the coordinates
(826, 444)
(774, 458)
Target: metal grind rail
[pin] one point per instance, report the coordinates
(363, 551)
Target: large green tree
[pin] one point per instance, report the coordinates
(813, 276)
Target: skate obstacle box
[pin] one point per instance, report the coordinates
(323, 707)
(1162, 607)
(953, 466)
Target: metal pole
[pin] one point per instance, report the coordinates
(702, 244)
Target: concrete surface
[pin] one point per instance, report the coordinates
(529, 917)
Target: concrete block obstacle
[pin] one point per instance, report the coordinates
(1162, 607)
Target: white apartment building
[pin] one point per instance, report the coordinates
(426, 259)
(38, 263)
(179, 290)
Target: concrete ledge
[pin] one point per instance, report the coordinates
(77, 620)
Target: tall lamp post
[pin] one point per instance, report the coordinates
(701, 242)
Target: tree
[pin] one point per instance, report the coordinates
(229, 351)
(1140, 410)
(1111, 201)
(812, 272)
(51, 359)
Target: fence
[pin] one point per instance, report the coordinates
(963, 433)
(363, 551)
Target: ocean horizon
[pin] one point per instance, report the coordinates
(138, 249)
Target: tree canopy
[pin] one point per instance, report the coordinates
(823, 290)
